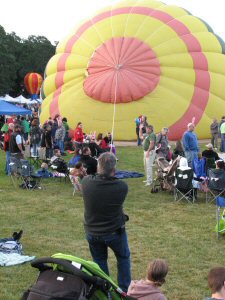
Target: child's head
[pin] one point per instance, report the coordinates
(57, 152)
(44, 166)
(216, 279)
(78, 165)
(220, 164)
(157, 271)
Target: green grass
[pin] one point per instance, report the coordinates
(52, 220)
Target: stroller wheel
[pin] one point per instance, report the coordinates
(154, 190)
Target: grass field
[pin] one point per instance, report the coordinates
(52, 220)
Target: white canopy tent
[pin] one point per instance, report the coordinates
(21, 100)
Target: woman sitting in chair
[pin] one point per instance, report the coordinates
(211, 156)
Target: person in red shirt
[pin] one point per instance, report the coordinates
(78, 134)
(7, 136)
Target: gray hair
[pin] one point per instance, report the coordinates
(150, 127)
(106, 164)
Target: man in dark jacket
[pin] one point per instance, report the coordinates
(104, 220)
(16, 146)
(214, 128)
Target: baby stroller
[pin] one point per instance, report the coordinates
(68, 277)
(165, 175)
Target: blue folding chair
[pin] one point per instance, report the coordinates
(220, 227)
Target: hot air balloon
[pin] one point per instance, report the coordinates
(33, 82)
(137, 57)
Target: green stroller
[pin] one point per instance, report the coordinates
(68, 277)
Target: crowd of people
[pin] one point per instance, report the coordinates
(93, 167)
(157, 145)
(25, 137)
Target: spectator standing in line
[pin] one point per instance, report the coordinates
(216, 283)
(65, 124)
(214, 128)
(16, 146)
(149, 141)
(104, 219)
(60, 136)
(35, 136)
(138, 122)
(222, 133)
(190, 143)
(148, 289)
(78, 135)
(26, 128)
(162, 143)
(7, 136)
(143, 124)
(55, 125)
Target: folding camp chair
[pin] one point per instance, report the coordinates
(210, 163)
(15, 169)
(183, 187)
(220, 216)
(30, 181)
(216, 184)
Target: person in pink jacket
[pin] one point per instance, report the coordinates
(148, 289)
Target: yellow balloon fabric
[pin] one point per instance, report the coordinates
(137, 58)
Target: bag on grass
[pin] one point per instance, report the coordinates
(53, 284)
(222, 224)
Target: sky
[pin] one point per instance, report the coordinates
(55, 19)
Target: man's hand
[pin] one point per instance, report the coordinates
(147, 154)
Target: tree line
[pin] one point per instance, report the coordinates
(20, 56)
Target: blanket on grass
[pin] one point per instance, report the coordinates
(128, 174)
(12, 259)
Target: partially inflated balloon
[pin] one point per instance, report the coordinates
(33, 82)
(137, 58)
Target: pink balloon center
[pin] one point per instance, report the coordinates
(122, 70)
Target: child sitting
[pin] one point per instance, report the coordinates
(76, 175)
(43, 171)
(148, 289)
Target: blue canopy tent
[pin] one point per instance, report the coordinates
(11, 109)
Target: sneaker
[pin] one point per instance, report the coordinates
(148, 183)
(144, 181)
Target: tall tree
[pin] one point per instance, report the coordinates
(8, 63)
(19, 57)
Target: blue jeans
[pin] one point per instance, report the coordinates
(7, 162)
(98, 246)
(35, 149)
(60, 144)
(190, 155)
(222, 142)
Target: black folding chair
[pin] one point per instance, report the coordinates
(183, 187)
(216, 184)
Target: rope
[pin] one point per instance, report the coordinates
(114, 109)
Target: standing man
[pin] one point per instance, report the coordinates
(190, 142)
(16, 146)
(104, 220)
(222, 132)
(214, 128)
(162, 143)
(149, 141)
